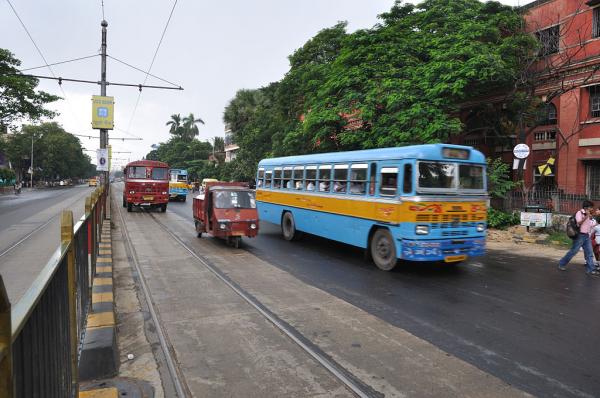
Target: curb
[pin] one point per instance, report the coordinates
(99, 355)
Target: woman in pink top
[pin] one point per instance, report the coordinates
(585, 221)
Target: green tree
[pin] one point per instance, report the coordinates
(499, 182)
(175, 125)
(18, 97)
(190, 128)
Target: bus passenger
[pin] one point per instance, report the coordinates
(310, 186)
(339, 186)
(357, 187)
(298, 184)
(288, 184)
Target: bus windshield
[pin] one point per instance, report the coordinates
(137, 172)
(159, 173)
(234, 199)
(443, 176)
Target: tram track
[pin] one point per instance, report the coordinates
(24, 238)
(352, 383)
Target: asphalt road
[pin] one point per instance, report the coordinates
(515, 317)
(30, 232)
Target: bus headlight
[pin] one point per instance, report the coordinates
(252, 226)
(164, 193)
(422, 230)
(131, 192)
(480, 227)
(223, 226)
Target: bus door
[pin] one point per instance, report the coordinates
(386, 208)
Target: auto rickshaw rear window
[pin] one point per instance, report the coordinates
(233, 199)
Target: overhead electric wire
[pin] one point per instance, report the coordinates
(143, 71)
(137, 102)
(61, 62)
(44, 58)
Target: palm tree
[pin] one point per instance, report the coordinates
(190, 130)
(175, 124)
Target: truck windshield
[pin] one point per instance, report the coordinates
(234, 199)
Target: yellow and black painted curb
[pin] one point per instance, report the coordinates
(99, 356)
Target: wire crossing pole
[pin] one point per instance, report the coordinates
(103, 132)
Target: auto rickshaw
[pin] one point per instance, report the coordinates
(226, 210)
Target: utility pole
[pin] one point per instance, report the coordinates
(103, 132)
(31, 161)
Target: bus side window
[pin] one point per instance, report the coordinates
(298, 177)
(358, 179)
(324, 178)
(311, 177)
(372, 178)
(389, 181)
(277, 180)
(287, 178)
(407, 179)
(260, 177)
(268, 176)
(340, 178)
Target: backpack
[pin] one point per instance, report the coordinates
(572, 227)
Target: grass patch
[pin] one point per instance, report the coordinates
(559, 239)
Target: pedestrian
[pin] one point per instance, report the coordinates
(584, 219)
(595, 236)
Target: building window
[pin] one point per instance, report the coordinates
(550, 114)
(544, 136)
(545, 177)
(596, 22)
(474, 140)
(595, 101)
(549, 40)
(593, 180)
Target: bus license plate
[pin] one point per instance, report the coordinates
(148, 197)
(453, 259)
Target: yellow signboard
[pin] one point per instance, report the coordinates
(103, 112)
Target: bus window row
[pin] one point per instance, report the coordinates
(354, 179)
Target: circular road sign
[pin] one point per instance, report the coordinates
(102, 161)
(521, 151)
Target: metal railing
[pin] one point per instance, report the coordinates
(41, 336)
(558, 201)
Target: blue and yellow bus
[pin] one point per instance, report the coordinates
(418, 203)
(178, 184)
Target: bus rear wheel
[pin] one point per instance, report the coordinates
(383, 250)
(288, 227)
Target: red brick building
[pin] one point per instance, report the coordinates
(568, 77)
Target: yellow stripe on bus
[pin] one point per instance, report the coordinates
(379, 210)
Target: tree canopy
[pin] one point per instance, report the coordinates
(401, 82)
(56, 153)
(18, 98)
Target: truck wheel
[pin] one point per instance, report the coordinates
(237, 241)
(129, 207)
(198, 232)
(383, 250)
(288, 227)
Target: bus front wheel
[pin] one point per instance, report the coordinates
(288, 227)
(129, 207)
(383, 250)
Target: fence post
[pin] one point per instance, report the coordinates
(6, 376)
(68, 243)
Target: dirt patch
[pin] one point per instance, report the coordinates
(517, 240)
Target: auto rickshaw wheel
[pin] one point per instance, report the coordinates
(383, 250)
(288, 227)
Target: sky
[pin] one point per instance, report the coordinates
(210, 48)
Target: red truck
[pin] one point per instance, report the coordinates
(146, 184)
(226, 210)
